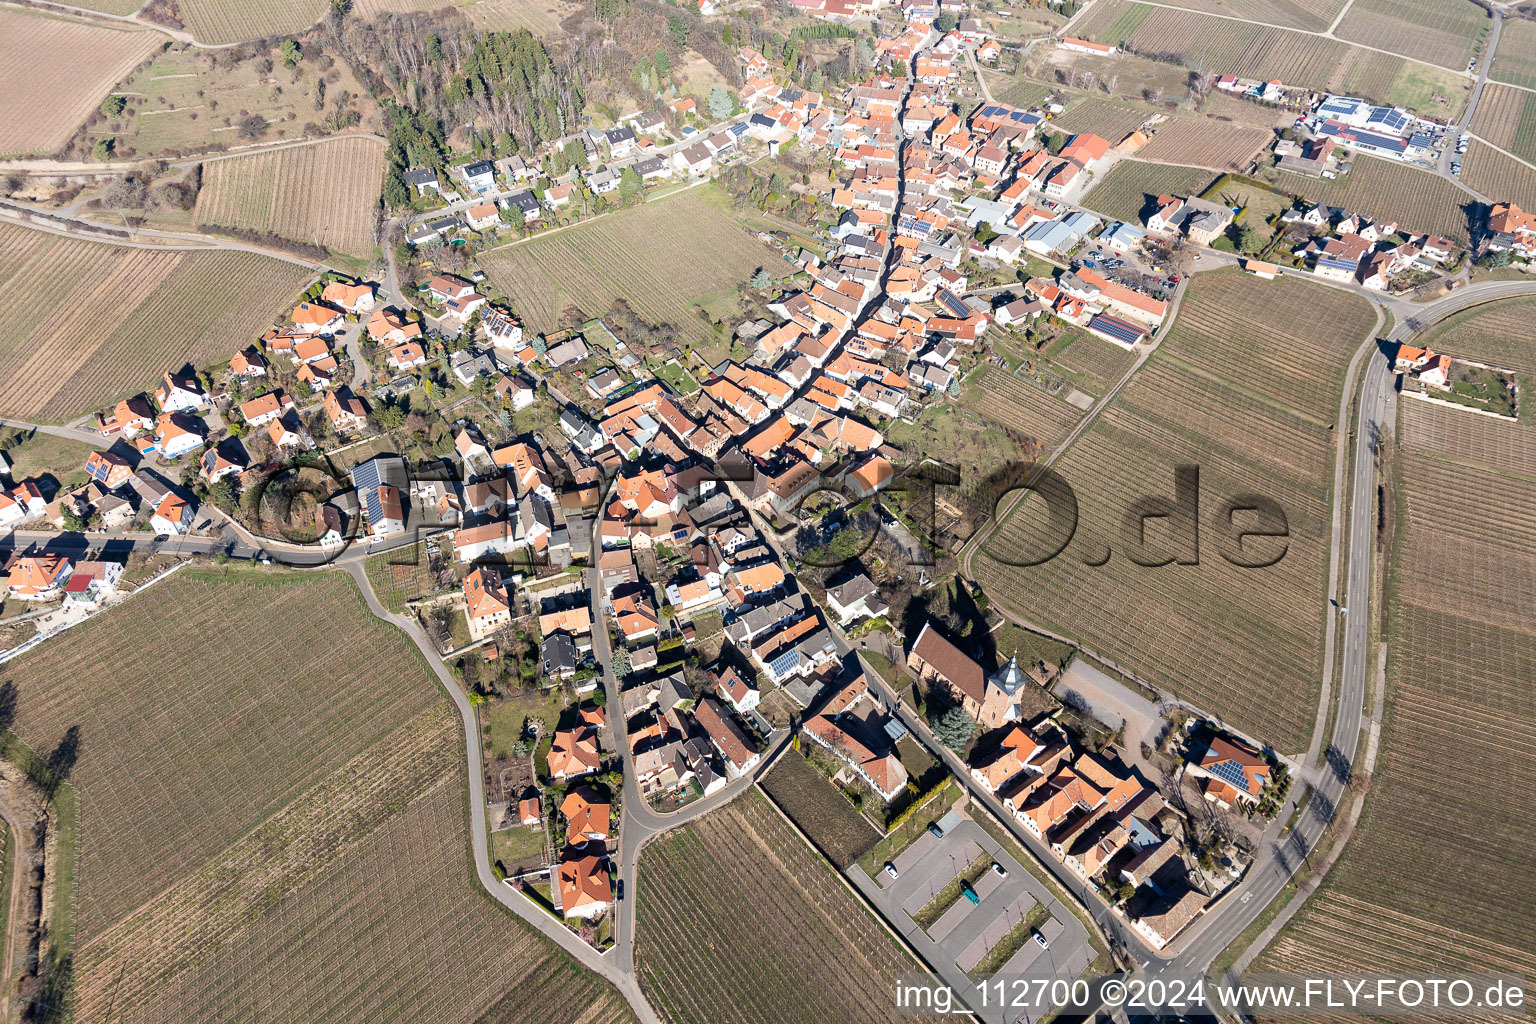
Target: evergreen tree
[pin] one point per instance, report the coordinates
(663, 65)
(720, 105)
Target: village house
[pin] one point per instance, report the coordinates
(1232, 773)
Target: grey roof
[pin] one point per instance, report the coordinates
(420, 176)
(558, 652)
(1009, 678)
(479, 169)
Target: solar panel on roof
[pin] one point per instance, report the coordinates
(1231, 773)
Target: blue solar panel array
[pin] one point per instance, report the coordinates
(1231, 773)
(365, 478)
(1116, 328)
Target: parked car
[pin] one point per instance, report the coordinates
(618, 890)
(935, 831)
(1040, 940)
(970, 894)
(999, 870)
(890, 869)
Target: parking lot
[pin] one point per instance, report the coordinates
(964, 934)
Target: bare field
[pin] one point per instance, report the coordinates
(1263, 51)
(1308, 14)
(1499, 177)
(1383, 189)
(325, 194)
(651, 256)
(541, 17)
(234, 21)
(1506, 117)
(1130, 185)
(1462, 650)
(1244, 642)
(1443, 32)
(819, 809)
(273, 817)
(46, 90)
(739, 920)
(1515, 59)
(91, 322)
(1206, 143)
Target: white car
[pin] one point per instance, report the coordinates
(890, 869)
(1040, 940)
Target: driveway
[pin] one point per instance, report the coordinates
(1112, 702)
(961, 938)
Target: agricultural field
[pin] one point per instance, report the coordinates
(1499, 177)
(1417, 200)
(110, 6)
(541, 17)
(234, 21)
(650, 256)
(1224, 106)
(1205, 143)
(1506, 117)
(1502, 334)
(1252, 403)
(1100, 364)
(1515, 59)
(820, 810)
(183, 101)
(1462, 651)
(739, 920)
(271, 777)
(92, 322)
(1262, 52)
(1017, 90)
(1443, 32)
(1130, 185)
(326, 193)
(1109, 120)
(46, 91)
(1013, 403)
(1314, 15)
(399, 576)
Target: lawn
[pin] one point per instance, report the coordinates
(33, 454)
(515, 845)
(271, 815)
(501, 721)
(737, 917)
(188, 99)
